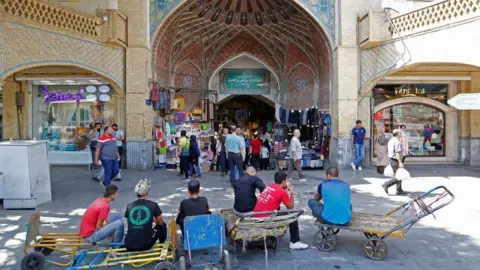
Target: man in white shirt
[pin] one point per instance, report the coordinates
(396, 160)
(295, 150)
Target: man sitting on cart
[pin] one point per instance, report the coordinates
(245, 187)
(96, 225)
(336, 208)
(270, 200)
(140, 214)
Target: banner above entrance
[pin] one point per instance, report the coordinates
(244, 82)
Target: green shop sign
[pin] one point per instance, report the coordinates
(244, 81)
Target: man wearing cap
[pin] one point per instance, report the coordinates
(140, 214)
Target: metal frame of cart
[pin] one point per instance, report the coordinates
(378, 227)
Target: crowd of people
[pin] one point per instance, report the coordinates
(330, 204)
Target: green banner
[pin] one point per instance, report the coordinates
(244, 81)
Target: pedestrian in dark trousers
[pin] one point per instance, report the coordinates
(396, 161)
(222, 153)
(107, 153)
(94, 134)
(235, 147)
(193, 165)
(120, 137)
(213, 148)
(255, 150)
(184, 153)
(265, 161)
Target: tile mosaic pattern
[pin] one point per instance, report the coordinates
(189, 70)
(29, 46)
(299, 100)
(322, 10)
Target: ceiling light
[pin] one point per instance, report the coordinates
(45, 81)
(69, 81)
(94, 81)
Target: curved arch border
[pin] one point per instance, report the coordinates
(262, 98)
(115, 83)
(181, 64)
(277, 77)
(301, 64)
(418, 100)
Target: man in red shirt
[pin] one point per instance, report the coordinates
(270, 200)
(107, 153)
(96, 225)
(255, 148)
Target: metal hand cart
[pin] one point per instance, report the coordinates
(205, 232)
(164, 255)
(378, 227)
(245, 227)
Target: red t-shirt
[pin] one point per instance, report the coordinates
(256, 145)
(98, 209)
(270, 199)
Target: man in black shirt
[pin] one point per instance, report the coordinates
(193, 206)
(245, 198)
(140, 214)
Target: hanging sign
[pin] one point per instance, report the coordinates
(465, 101)
(58, 96)
(244, 81)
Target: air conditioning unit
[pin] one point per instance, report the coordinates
(373, 29)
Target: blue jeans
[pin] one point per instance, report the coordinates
(184, 165)
(359, 154)
(235, 160)
(316, 207)
(197, 169)
(111, 170)
(223, 161)
(115, 226)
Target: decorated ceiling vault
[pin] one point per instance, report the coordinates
(191, 43)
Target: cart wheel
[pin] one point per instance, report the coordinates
(272, 242)
(375, 249)
(370, 236)
(33, 261)
(44, 250)
(226, 260)
(325, 240)
(165, 266)
(183, 263)
(335, 231)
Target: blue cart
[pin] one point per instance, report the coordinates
(201, 233)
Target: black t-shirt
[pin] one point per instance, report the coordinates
(139, 215)
(245, 198)
(192, 207)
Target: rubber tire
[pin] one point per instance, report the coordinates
(272, 242)
(165, 266)
(183, 263)
(39, 257)
(227, 262)
(328, 234)
(335, 231)
(368, 246)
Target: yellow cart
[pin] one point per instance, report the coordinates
(378, 227)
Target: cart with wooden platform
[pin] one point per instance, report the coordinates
(376, 228)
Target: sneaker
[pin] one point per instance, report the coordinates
(298, 245)
(303, 180)
(401, 192)
(353, 167)
(385, 188)
(359, 168)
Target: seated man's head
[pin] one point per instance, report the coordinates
(251, 171)
(332, 173)
(143, 188)
(281, 179)
(194, 187)
(111, 192)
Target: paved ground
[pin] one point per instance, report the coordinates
(451, 241)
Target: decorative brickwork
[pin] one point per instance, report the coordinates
(192, 53)
(24, 47)
(187, 69)
(295, 56)
(300, 98)
(52, 15)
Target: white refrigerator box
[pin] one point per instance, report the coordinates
(25, 174)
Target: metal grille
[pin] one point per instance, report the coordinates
(139, 155)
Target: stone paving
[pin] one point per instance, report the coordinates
(451, 241)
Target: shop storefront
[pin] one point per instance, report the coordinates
(64, 114)
(418, 107)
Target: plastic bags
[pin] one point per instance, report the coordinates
(402, 174)
(388, 172)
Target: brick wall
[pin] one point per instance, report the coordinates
(300, 97)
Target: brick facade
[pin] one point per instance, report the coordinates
(300, 88)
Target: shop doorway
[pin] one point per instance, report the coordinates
(249, 112)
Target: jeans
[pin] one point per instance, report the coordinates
(159, 233)
(316, 207)
(264, 163)
(93, 149)
(235, 160)
(115, 226)
(111, 170)
(255, 161)
(184, 165)
(193, 166)
(223, 161)
(359, 154)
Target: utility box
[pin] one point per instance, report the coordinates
(24, 174)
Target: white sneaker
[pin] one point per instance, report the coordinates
(359, 168)
(353, 166)
(303, 180)
(298, 245)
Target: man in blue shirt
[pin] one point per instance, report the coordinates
(358, 137)
(235, 148)
(336, 208)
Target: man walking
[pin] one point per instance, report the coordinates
(107, 152)
(255, 148)
(120, 137)
(235, 147)
(358, 138)
(94, 134)
(222, 153)
(396, 161)
(295, 161)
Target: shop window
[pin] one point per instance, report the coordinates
(425, 127)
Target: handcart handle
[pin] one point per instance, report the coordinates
(297, 212)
